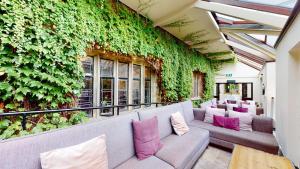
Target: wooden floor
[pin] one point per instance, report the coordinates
(214, 158)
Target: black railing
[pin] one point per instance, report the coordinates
(24, 114)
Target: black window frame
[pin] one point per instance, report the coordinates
(127, 90)
(147, 79)
(108, 111)
(140, 85)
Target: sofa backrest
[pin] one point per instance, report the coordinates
(24, 152)
(187, 107)
(164, 117)
(209, 103)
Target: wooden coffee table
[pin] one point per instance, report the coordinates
(249, 158)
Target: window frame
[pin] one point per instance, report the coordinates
(140, 86)
(127, 89)
(102, 113)
(147, 80)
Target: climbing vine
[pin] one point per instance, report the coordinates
(42, 40)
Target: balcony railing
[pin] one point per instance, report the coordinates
(24, 114)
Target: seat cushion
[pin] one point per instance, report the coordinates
(148, 163)
(164, 117)
(257, 140)
(179, 150)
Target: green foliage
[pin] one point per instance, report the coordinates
(10, 128)
(41, 42)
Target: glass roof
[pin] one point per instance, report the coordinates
(280, 3)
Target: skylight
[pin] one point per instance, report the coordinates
(280, 3)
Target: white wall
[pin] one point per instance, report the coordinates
(240, 73)
(288, 93)
(268, 80)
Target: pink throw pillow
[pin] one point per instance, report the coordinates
(240, 109)
(227, 122)
(219, 121)
(146, 137)
(232, 123)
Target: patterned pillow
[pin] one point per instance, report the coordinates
(178, 123)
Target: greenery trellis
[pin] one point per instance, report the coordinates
(41, 42)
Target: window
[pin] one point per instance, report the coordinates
(86, 97)
(106, 85)
(198, 84)
(136, 85)
(123, 85)
(147, 85)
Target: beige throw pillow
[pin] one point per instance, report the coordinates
(88, 155)
(179, 124)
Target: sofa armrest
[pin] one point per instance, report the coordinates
(199, 113)
(259, 111)
(262, 124)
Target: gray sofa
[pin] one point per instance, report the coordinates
(180, 152)
(260, 138)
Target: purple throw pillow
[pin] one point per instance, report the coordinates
(240, 109)
(227, 122)
(146, 137)
(232, 123)
(219, 121)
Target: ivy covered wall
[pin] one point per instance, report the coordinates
(41, 42)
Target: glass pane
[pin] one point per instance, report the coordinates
(148, 91)
(87, 65)
(123, 70)
(106, 68)
(195, 89)
(147, 73)
(123, 92)
(136, 93)
(106, 92)
(136, 71)
(86, 97)
(281, 3)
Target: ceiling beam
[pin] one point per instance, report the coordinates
(248, 50)
(249, 29)
(259, 68)
(255, 44)
(257, 6)
(265, 18)
(207, 42)
(249, 56)
(173, 15)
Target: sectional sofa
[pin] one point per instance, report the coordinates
(178, 152)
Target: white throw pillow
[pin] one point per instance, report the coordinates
(179, 125)
(230, 106)
(251, 108)
(210, 112)
(88, 155)
(245, 119)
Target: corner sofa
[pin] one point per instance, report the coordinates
(260, 138)
(178, 152)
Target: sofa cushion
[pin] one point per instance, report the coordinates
(148, 163)
(164, 117)
(178, 151)
(146, 137)
(258, 140)
(188, 110)
(119, 142)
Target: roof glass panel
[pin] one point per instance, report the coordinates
(280, 3)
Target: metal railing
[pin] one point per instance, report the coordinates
(24, 114)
